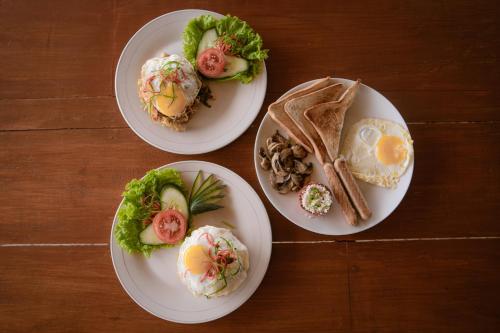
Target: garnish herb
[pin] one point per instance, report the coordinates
(221, 257)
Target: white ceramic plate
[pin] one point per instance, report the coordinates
(153, 282)
(234, 109)
(368, 104)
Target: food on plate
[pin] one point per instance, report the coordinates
(378, 151)
(168, 227)
(316, 199)
(357, 198)
(328, 119)
(157, 211)
(205, 194)
(170, 90)
(340, 194)
(285, 161)
(212, 262)
(224, 49)
(277, 112)
(314, 117)
(295, 110)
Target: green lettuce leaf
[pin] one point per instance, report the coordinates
(193, 33)
(244, 41)
(132, 212)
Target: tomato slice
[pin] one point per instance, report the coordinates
(211, 62)
(170, 226)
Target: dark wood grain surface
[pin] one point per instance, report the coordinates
(66, 153)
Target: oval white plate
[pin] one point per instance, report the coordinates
(368, 103)
(153, 282)
(234, 109)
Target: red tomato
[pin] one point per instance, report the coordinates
(170, 226)
(211, 62)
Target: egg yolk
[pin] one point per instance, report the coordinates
(390, 150)
(171, 101)
(195, 259)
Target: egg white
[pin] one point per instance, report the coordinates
(209, 287)
(190, 84)
(359, 150)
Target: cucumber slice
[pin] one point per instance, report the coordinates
(234, 65)
(214, 199)
(196, 184)
(172, 198)
(204, 207)
(148, 236)
(206, 183)
(207, 41)
(213, 190)
(206, 195)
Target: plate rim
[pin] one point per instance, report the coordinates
(180, 151)
(224, 313)
(282, 211)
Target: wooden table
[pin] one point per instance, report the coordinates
(66, 154)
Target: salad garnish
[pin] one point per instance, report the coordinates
(157, 210)
(224, 49)
(205, 194)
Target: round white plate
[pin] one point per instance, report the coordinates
(368, 104)
(153, 282)
(235, 106)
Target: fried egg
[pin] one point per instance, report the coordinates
(378, 151)
(212, 262)
(169, 84)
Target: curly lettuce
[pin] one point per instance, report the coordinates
(244, 42)
(135, 210)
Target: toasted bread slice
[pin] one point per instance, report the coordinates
(358, 200)
(340, 194)
(348, 95)
(295, 109)
(328, 119)
(277, 111)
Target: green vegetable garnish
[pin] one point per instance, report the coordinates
(221, 276)
(142, 198)
(205, 194)
(135, 208)
(236, 34)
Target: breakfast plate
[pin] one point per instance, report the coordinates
(153, 282)
(232, 111)
(383, 201)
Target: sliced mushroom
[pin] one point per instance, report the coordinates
(286, 187)
(299, 151)
(302, 168)
(288, 164)
(283, 179)
(284, 159)
(276, 165)
(277, 137)
(267, 153)
(272, 180)
(269, 141)
(309, 168)
(297, 179)
(265, 163)
(286, 154)
(276, 147)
